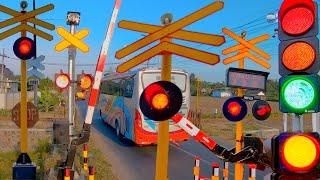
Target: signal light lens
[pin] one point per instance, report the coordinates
(62, 81)
(298, 56)
(234, 108)
(160, 101)
(86, 81)
(297, 20)
(298, 93)
(300, 153)
(261, 110)
(25, 47)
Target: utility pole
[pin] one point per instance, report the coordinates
(73, 19)
(2, 71)
(35, 86)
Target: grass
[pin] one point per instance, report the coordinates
(96, 159)
(5, 112)
(42, 156)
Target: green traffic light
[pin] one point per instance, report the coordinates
(299, 94)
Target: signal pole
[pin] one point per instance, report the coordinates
(73, 19)
(163, 129)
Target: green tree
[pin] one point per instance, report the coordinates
(49, 98)
(272, 92)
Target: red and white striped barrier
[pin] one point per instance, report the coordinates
(215, 171)
(252, 171)
(194, 131)
(225, 170)
(100, 65)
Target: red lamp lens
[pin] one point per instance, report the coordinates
(297, 21)
(298, 56)
(234, 108)
(25, 47)
(263, 110)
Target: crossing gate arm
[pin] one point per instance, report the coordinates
(85, 133)
(251, 153)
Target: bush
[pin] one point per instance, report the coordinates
(50, 98)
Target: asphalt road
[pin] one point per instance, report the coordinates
(135, 163)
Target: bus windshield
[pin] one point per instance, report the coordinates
(178, 79)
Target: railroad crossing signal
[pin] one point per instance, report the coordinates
(70, 39)
(172, 30)
(161, 100)
(28, 17)
(244, 48)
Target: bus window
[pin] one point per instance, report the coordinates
(128, 88)
(110, 88)
(177, 78)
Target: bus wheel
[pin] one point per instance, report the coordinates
(118, 130)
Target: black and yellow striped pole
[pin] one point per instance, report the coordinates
(85, 157)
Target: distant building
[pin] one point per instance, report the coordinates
(7, 73)
(9, 85)
(221, 93)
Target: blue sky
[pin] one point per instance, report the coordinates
(250, 15)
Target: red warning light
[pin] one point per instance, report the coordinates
(234, 108)
(261, 110)
(297, 17)
(25, 47)
(161, 100)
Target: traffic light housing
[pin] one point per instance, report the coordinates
(62, 81)
(296, 153)
(161, 100)
(261, 110)
(234, 109)
(298, 56)
(86, 81)
(299, 94)
(24, 48)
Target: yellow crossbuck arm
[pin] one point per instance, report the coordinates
(191, 53)
(32, 20)
(27, 28)
(168, 47)
(73, 39)
(209, 39)
(26, 16)
(240, 57)
(11, 32)
(246, 43)
(234, 58)
(38, 32)
(240, 46)
(258, 60)
(64, 44)
(139, 59)
(169, 29)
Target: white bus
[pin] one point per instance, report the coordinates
(119, 104)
